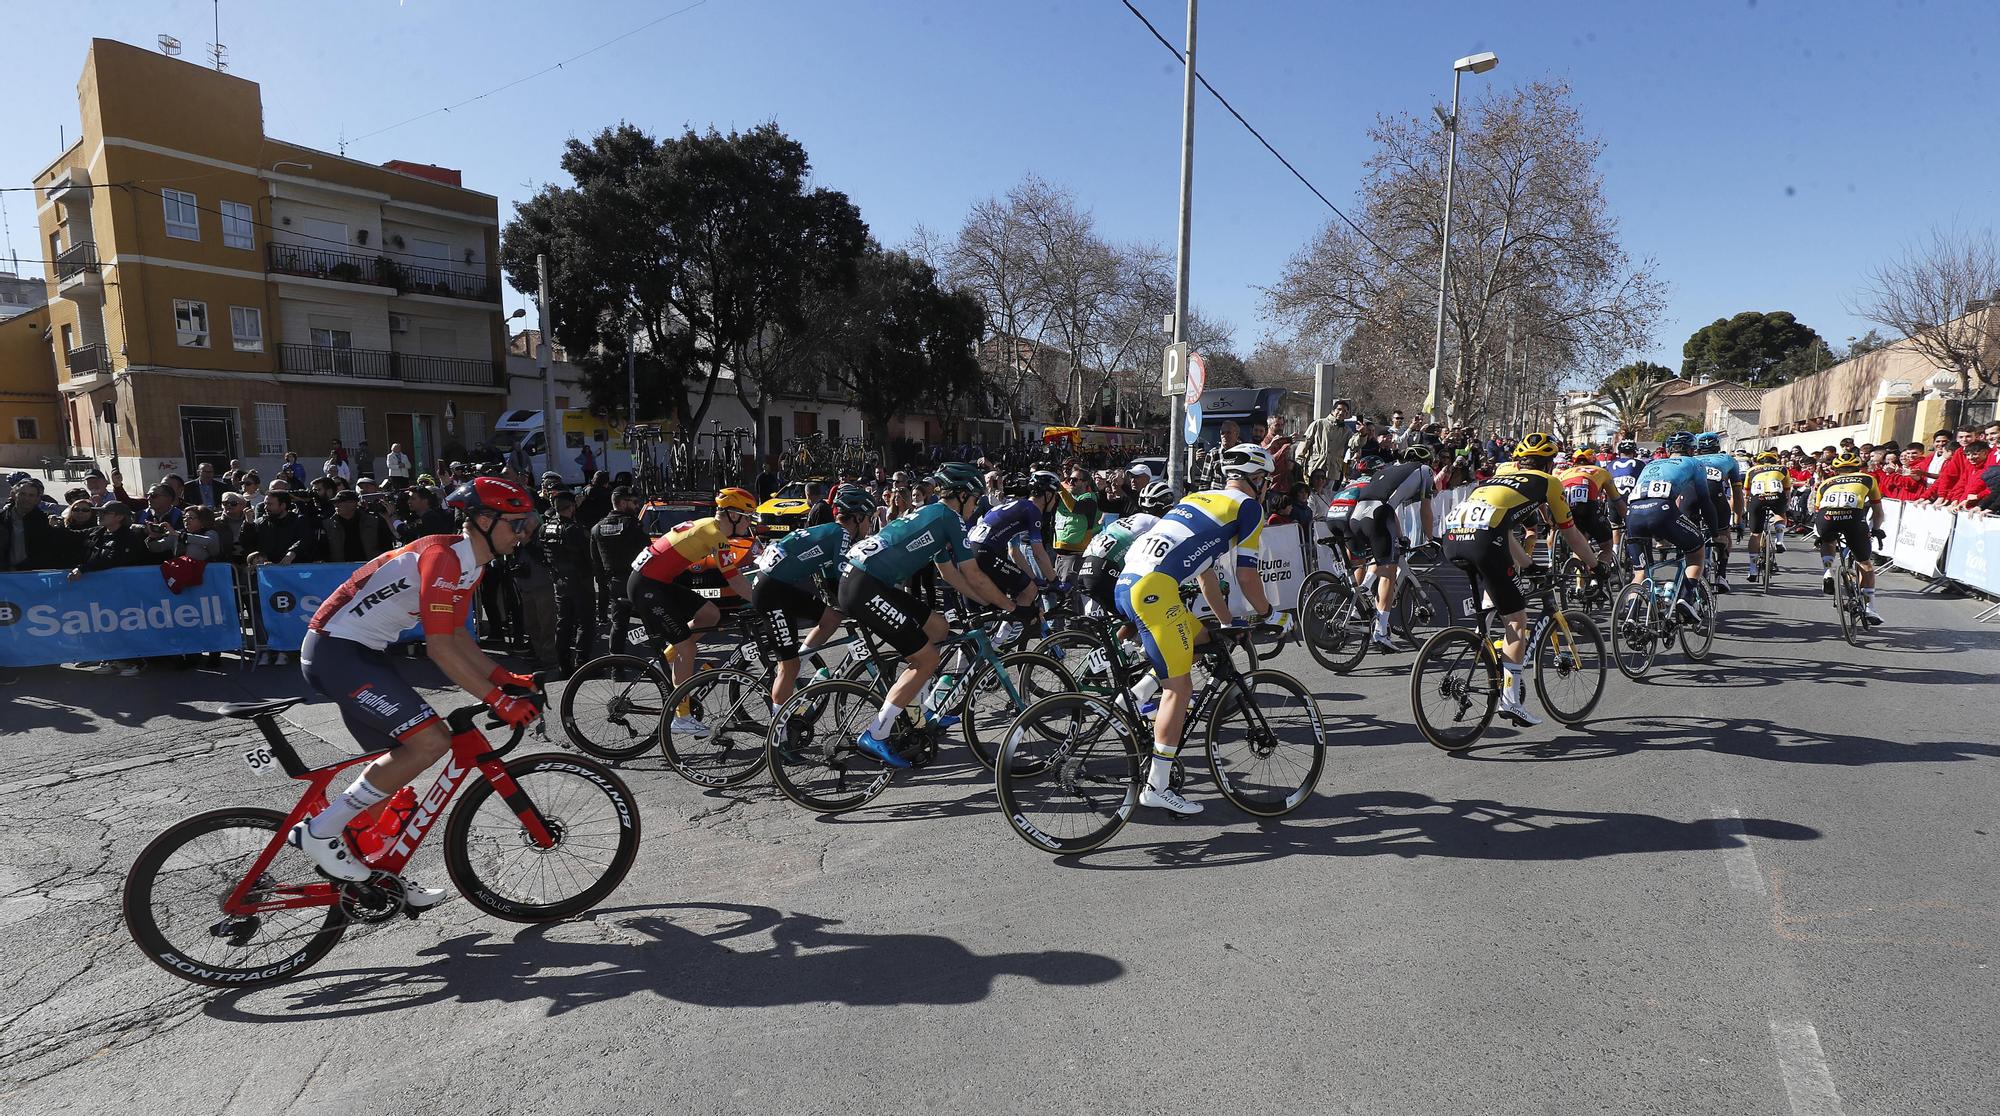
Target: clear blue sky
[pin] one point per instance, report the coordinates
(1763, 152)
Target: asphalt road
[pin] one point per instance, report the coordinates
(1764, 885)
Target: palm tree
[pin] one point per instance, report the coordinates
(1631, 403)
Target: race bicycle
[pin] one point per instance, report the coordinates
(1337, 618)
(218, 899)
(1649, 614)
(1456, 681)
(1848, 604)
(615, 707)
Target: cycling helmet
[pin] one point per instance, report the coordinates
(1847, 460)
(1156, 497)
(1628, 446)
(1041, 482)
(1246, 460)
(1017, 485)
(502, 497)
(1768, 457)
(852, 499)
(1680, 441)
(1583, 457)
(1535, 445)
(1368, 463)
(735, 499)
(1708, 442)
(957, 476)
(1418, 451)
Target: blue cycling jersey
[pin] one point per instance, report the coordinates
(1624, 473)
(1725, 472)
(1016, 520)
(1684, 480)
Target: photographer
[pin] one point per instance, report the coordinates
(353, 533)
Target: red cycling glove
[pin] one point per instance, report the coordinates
(513, 710)
(501, 676)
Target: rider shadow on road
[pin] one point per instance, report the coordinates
(677, 952)
(1738, 626)
(1740, 672)
(1409, 824)
(1749, 737)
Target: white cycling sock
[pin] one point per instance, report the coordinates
(1161, 774)
(879, 728)
(1143, 690)
(1516, 689)
(1382, 625)
(359, 796)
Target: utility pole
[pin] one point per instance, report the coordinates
(1177, 407)
(552, 420)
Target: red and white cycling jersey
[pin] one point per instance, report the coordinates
(430, 579)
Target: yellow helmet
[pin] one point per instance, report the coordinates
(1848, 460)
(735, 499)
(1767, 457)
(1536, 445)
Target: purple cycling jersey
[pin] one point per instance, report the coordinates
(1017, 519)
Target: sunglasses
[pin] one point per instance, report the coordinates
(518, 526)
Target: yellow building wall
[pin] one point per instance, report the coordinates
(28, 390)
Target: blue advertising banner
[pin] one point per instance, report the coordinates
(287, 597)
(45, 618)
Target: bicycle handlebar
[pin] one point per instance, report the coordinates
(461, 720)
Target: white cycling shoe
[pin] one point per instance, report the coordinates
(1512, 708)
(689, 726)
(1166, 799)
(331, 855)
(1869, 614)
(417, 897)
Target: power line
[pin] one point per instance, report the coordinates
(530, 77)
(1275, 153)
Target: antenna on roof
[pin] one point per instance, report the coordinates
(170, 46)
(217, 53)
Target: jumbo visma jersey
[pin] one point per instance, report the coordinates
(1506, 501)
(1197, 532)
(932, 533)
(1846, 495)
(1769, 482)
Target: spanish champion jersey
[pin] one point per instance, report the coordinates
(1846, 495)
(683, 545)
(932, 533)
(429, 580)
(1769, 482)
(1586, 484)
(1196, 532)
(803, 555)
(1112, 542)
(1502, 503)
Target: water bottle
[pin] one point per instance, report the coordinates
(388, 823)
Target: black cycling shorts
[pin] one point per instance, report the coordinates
(1661, 521)
(665, 607)
(1097, 580)
(777, 604)
(1489, 566)
(889, 611)
(1760, 513)
(1380, 532)
(1854, 528)
(376, 705)
(1593, 521)
(1001, 570)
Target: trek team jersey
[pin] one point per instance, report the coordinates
(1112, 542)
(1075, 521)
(429, 581)
(1506, 501)
(1725, 472)
(932, 533)
(1673, 478)
(683, 545)
(1769, 482)
(1624, 474)
(1846, 495)
(1196, 532)
(1017, 519)
(805, 555)
(1587, 484)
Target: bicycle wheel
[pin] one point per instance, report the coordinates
(988, 708)
(1069, 772)
(1569, 669)
(1080, 653)
(736, 706)
(1698, 636)
(1421, 610)
(175, 892)
(1455, 688)
(614, 706)
(1845, 601)
(1331, 626)
(1633, 626)
(811, 747)
(1266, 755)
(1767, 556)
(589, 812)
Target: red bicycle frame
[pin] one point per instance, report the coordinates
(469, 750)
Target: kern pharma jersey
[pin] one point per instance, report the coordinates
(894, 554)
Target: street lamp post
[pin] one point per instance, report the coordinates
(1477, 64)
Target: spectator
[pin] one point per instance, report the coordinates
(232, 523)
(1076, 520)
(292, 470)
(1969, 488)
(161, 508)
(279, 535)
(28, 541)
(352, 533)
(595, 503)
(336, 467)
(207, 489)
(115, 542)
(198, 538)
(81, 517)
(397, 467)
(1933, 463)
(567, 544)
(252, 488)
(364, 459)
(614, 542)
(425, 516)
(1952, 475)
(100, 492)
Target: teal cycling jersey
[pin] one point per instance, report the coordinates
(803, 556)
(1111, 543)
(1725, 472)
(893, 555)
(1198, 532)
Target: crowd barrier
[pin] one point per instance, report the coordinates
(287, 597)
(46, 619)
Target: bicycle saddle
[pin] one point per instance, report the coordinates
(245, 710)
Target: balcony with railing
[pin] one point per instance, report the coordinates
(87, 360)
(77, 270)
(324, 263)
(443, 283)
(381, 364)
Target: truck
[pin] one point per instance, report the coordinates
(605, 436)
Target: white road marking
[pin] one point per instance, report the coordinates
(1808, 1082)
(1737, 856)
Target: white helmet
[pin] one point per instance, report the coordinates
(1157, 497)
(1247, 459)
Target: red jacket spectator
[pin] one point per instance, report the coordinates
(1954, 474)
(1970, 486)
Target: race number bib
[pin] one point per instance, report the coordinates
(979, 533)
(1471, 516)
(639, 560)
(1153, 549)
(865, 549)
(1714, 474)
(1659, 489)
(1577, 493)
(1624, 484)
(1768, 484)
(1100, 547)
(1840, 499)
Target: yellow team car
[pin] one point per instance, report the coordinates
(788, 509)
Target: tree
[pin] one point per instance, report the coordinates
(1865, 344)
(1939, 297)
(1806, 360)
(1639, 370)
(1747, 347)
(899, 342)
(1533, 245)
(1632, 397)
(704, 246)
(993, 258)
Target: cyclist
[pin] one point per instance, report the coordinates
(789, 574)
(1725, 487)
(1097, 575)
(1840, 503)
(345, 658)
(1479, 539)
(1594, 499)
(1673, 506)
(1766, 485)
(1016, 521)
(662, 599)
(871, 591)
(1376, 519)
(1187, 542)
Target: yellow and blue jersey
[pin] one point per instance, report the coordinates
(1196, 533)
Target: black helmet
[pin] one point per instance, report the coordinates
(852, 499)
(1017, 485)
(1628, 446)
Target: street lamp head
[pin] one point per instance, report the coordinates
(519, 312)
(1477, 63)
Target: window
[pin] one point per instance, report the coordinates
(183, 218)
(238, 228)
(331, 338)
(475, 428)
(191, 323)
(352, 422)
(271, 429)
(246, 327)
(833, 430)
(27, 430)
(430, 249)
(55, 245)
(69, 342)
(325, 235)
(438, 341)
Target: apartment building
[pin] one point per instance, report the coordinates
(218, 294)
